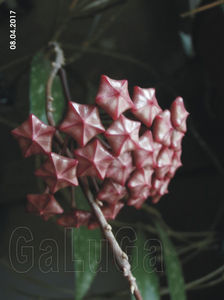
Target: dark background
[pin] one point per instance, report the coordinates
(147, 42)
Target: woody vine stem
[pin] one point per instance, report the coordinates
(120, 256)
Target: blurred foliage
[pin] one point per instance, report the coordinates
(144, 269)
(87, 254)
(172, 266)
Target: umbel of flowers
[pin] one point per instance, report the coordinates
(131, 160)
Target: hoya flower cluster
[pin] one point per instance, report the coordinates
(131, 159)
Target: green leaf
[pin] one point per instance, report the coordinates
(87, 252)
(40, 70)
(143, 270)
(80, 199)
(173, 270)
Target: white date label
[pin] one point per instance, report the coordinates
(12, 30)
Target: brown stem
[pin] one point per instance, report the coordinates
(201, 8)
(121, 257)
(63, 78)
(56, 66)
(198, 282)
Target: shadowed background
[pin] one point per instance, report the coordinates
(148, 43)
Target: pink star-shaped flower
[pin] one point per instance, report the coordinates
(43, 205)
(176, 139)
(111, 192)
(140, 183)
(136, 202)
(147, 153)
(110, 211)
(82, 122)
(162, 128)
(113, 96)
(164, 162)
(93, 159)
(179, 114)
(58, 172)
(76, 218)
(176, 163)
(159, 188)
(120, 168)
(123, 135)
(34, 136)
(146, 107)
